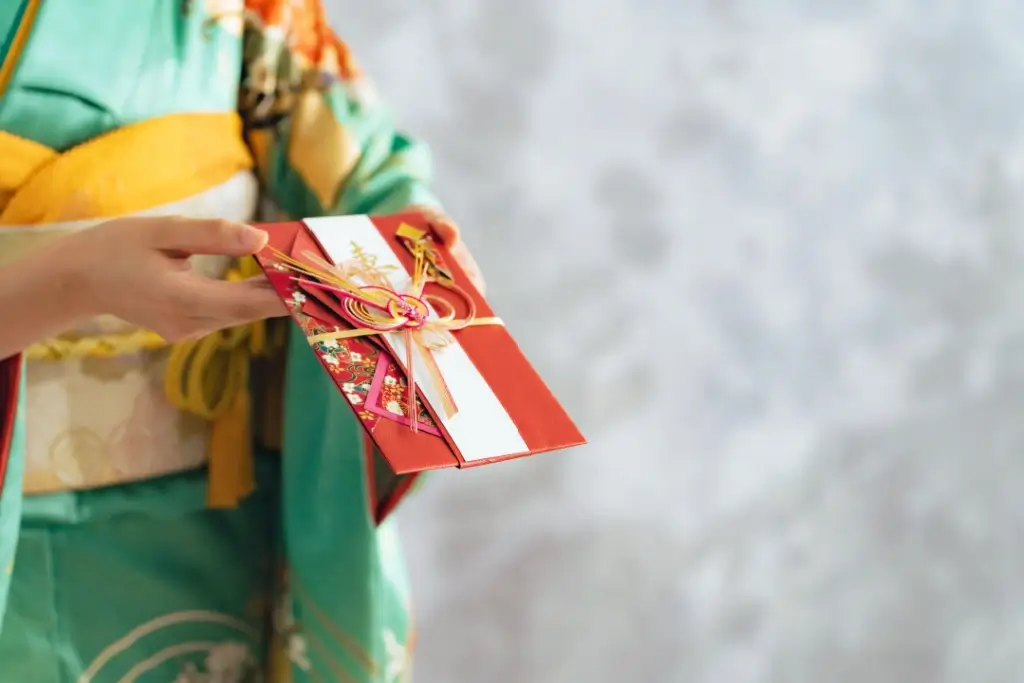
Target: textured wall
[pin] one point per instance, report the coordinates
(769, 253)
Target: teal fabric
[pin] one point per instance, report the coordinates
(381, 195)
(192, 576)
(91, 67)
(328, 527)
(11, 504)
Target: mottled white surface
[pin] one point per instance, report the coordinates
(769, 253)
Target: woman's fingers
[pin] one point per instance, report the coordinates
(444, 227)
(181, 236)
(460, 252)
(447, 231)
(231, 303)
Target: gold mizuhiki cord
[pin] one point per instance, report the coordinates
(373, 307)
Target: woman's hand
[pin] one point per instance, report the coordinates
(450, 235)
(137, 269)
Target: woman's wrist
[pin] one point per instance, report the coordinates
(37, 302)
(56, 281)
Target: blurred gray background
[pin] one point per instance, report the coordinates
(769, 253)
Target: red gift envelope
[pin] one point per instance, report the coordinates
(382, 303)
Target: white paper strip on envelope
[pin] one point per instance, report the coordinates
(482, 428)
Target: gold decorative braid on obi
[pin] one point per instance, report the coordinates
(100, 346)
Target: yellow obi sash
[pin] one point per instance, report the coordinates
(108, 403)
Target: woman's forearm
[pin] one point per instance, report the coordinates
(38, 299)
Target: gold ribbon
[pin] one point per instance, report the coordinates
(209, 377)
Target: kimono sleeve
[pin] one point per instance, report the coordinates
(12, 453)
(324, 143)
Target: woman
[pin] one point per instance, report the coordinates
(164, 528)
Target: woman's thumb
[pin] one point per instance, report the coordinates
(198, 236)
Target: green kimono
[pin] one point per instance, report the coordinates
(113, 567)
